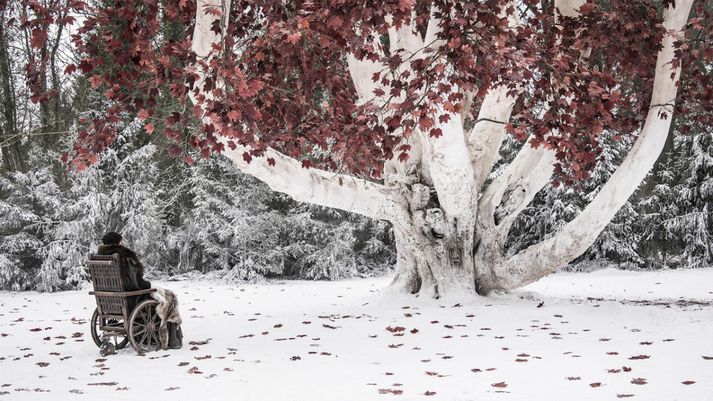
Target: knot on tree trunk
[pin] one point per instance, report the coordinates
(436, 223)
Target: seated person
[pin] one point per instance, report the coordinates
(132, 271)
(132, 276)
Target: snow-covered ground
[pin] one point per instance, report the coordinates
(597, 336)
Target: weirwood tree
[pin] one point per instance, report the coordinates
(396, 109)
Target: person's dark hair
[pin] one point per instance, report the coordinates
(111, 238)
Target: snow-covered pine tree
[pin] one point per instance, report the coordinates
(328, 244)
(134, 206)
(235, 225)
(618, 242)
(696, 225)
(116, 195)
(692, 226)
(657, 206)
(222, 227)
(28, 201)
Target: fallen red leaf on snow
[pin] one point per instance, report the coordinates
(635, 357)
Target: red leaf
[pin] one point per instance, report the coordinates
(636, 357)
(425, 123)
(303, 23)
(395, 329)
(95, 80)
(174, 150)
(70, 69)
(234, 115)
(294, 38)
(500, 385)
(247, 157)
(406, 5)
(38, 38)
(270, 161)
(143, 114)
(390, 391)
(587, 8)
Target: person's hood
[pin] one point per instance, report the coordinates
(115, 248)
(105, 247)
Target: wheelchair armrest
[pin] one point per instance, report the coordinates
(122, 294)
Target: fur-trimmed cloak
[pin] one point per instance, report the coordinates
(167, 310)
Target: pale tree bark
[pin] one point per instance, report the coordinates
(451, 228)
(488, 132)
(546, 257)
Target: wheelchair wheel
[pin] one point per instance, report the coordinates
(144, 326)
(120, 340)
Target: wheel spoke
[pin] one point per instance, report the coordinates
(140, 332)
(155, 340)
(143, 338)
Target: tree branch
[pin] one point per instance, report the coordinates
(546, 257)
(489, 132)
(317, 186)
(487, 135)
(287, 175)
(511, 192)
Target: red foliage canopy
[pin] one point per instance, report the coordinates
(285, 83)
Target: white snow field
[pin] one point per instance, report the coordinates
(586, 336)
